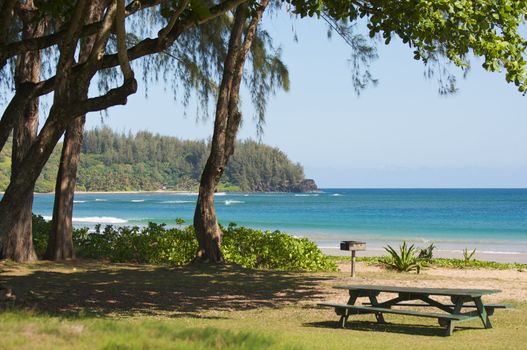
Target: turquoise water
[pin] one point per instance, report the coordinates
(491, 219)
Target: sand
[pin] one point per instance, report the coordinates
(512, 283)
(484, 256)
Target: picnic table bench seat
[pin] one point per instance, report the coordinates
(488, 307)
(357, 309)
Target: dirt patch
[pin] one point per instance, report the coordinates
(116, 290)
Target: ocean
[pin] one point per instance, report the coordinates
(494, 221)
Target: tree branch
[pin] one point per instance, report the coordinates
(112, 98)
(13, 110)
(19, 47)
(172, 21)
(122, 51)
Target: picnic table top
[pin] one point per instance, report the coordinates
(417, 290)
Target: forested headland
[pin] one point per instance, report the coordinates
(144, 161)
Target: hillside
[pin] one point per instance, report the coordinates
(146, 162)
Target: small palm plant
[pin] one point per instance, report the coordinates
(468, 256)
(403, 261)
(427, 253)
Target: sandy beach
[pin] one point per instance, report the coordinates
(511, 283)
(484, 256)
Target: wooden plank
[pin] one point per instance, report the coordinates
(487, 306)
(371, 309)
(413, 290)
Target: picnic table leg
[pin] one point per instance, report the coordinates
(375, 303)
(450, 324)
(482, 312)
(449, 327)
(351, 301)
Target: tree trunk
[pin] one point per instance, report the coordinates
(60, 242)
(18, 245)
(226, 123)
(206, 225)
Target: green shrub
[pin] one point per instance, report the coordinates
(155, 244)
(403, 261)
(41, 230)
(273, 250)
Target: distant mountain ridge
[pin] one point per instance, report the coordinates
(145, 161)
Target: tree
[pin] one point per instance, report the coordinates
(60, 243)
(71, 82)
(448, 28)
(226, 123)
(19, 244)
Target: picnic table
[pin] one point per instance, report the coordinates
(464, 304)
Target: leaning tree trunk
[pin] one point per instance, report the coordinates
(60, 242)
(18, 245)
(226, 123)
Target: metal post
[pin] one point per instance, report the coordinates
(352, 263)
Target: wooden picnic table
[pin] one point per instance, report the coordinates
(452, 313)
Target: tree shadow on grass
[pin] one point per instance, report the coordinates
(414, 329)
(190, 291)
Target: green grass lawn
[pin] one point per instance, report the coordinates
(99, 306)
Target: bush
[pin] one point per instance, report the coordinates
(41, 230)
(273, 250)
(155, 244)
(152, 244)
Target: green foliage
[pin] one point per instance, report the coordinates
(41, 230)
(427, 253)
(468, 256)
(477, 264)
(403, 261)
(440, 262)
(272, 250)
(148, 162)
(453, 29)
(155, 244)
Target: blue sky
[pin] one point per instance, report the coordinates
(398, 134)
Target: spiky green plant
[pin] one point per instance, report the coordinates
(403, 261)
(468, 256)
(427, 253)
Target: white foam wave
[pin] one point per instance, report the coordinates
(137, 200)
(101, 200)
(306, 195)
(229, 202)
(484, 252)
(99, 220)
(336, 195)
(176, 202)
(220, 194)
(79, 201)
